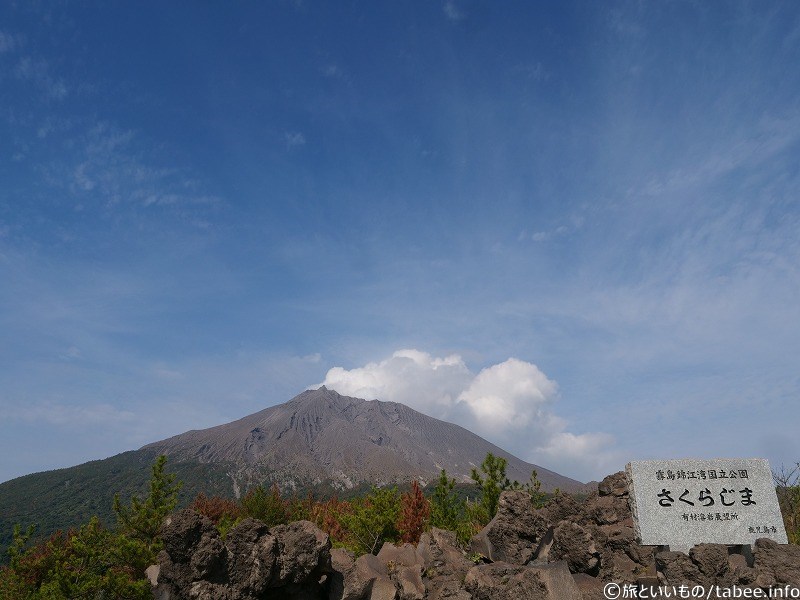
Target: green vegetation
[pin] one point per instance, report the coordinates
(363, 522)
(454, 512)
(372, 520)
(142, 520)
(93, 562)
(97, 561)
(492, 483)
(266, 505)
(60, 499)
(534, 488)
(447, 510)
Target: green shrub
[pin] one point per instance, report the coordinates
(92, 561)
(142, 519)
(372, 520)
(266, 505)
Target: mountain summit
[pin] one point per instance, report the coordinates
(321, 436)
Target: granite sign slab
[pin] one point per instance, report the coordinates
(680, 503)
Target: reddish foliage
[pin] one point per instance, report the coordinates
(215, 508)
(415, 512)
(34, 565)
(327, 516)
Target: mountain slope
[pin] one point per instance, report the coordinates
(65, 498)
(319, 441)
(321, 436)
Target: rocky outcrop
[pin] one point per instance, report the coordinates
(288, 561)
(568, 550)
(514, 534)
(445, 565)
(503, 581)
(776, 564)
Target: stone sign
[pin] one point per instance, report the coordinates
(680, 503)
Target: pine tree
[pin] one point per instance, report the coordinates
(494, 482)
(446, 509)
(534, 488)
(142, 519)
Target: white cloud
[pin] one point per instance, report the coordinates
(511, 394)
(543, 236)
(509, 403)
(410, 377)
(585, 453)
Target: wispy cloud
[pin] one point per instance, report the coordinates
(623, 23)
(106, 169)
(294, 139)
(533, 71)
(9, 42)
(83, 416)
(39, 73)
(759, 144)
(451, 11)
(332, 70)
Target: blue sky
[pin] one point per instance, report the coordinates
(572, 227)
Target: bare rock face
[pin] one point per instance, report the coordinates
(286, 561)
(776, 564)
(364, 578)
(502, 581)
(515, 532)
(303, 553)
(344, 585)
(563, 506)
(712, 560)
(575, 545)
(445, 565)
(185, 534)
(614, 485)
(405, 565)
(676, 568)
(253, 556)
(440, 553)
